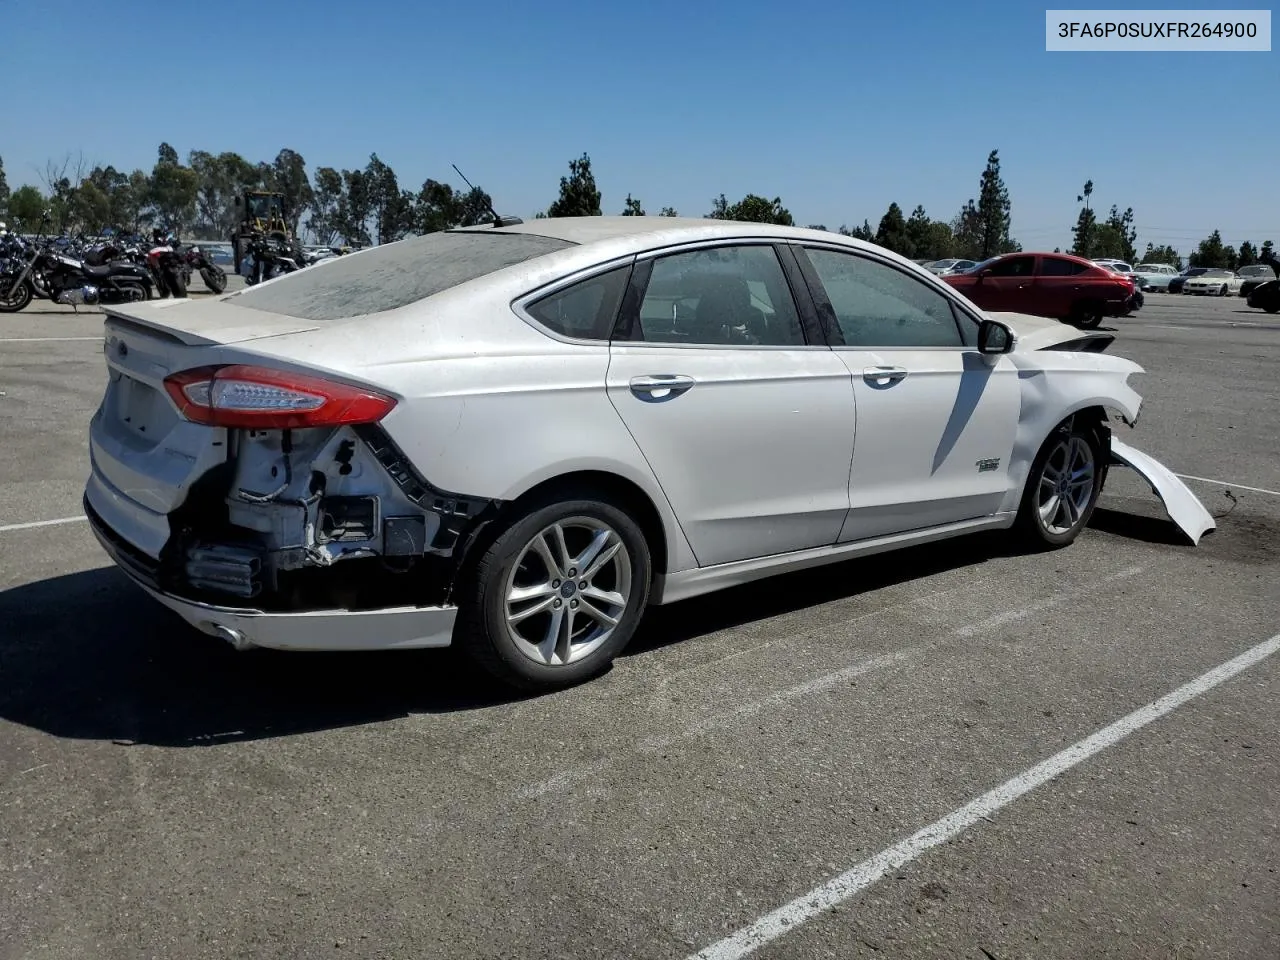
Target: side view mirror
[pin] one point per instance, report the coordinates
(994, 338)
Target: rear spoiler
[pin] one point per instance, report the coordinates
(205, 322)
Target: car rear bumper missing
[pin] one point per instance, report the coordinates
(385, 628)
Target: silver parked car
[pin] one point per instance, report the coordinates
(517, 437)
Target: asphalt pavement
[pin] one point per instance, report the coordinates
(806, 752)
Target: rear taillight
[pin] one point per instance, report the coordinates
(265, 399)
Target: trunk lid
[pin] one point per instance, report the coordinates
(207, 321)
(144, 458)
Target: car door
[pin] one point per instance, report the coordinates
(1058, 285)
(937, 419)
(1005, 285)
(747, 426)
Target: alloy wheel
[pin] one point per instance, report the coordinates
(1066, 485)
(567, 591)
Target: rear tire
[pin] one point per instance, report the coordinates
(1062, 486)
(1086, 316)
(134, 292)
(21, 297)
(173, 280)
(525, 615)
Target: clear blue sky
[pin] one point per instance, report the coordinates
(837, 106)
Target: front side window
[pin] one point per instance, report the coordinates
(722, 296)
(877, 305)
(1013, 267)
(587, 309)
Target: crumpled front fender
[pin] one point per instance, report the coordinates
(1183, 506)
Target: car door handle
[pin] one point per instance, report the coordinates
(883, 375)
(660, 386)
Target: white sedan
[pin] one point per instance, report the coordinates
(517, 437)
(1214, 283)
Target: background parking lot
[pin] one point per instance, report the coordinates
(165, 796)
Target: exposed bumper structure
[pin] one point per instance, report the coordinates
(380, 629)
(1183, 506)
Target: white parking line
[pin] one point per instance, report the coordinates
(786, 918)
(40, 523)
(44, 339)
(572, 776)
(1224, 483)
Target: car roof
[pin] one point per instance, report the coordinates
(1069, 257)
(655, 231)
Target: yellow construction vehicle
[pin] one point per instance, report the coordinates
(260, 214)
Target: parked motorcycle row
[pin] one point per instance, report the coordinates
(89, 271)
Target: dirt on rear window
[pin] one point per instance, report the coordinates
(393, 275)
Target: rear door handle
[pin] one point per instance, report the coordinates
(882, 376)
(660, 386)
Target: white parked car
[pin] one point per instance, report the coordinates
(1115, 266)
(517, 437)
(1214, 283)
(951, 265)
(1155, 276)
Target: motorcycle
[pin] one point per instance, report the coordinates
(169, 268)
(71, 281)
(15, 282)
(214, 277)
(271, 257)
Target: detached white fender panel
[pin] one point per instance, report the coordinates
(1185, 509)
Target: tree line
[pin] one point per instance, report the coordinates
(367, 205)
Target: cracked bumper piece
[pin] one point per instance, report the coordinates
(393, 628)
(386, 628)
(1183, 506)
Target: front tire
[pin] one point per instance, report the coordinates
(557, 595)
(21, 297)
(1063, 486)
(215, 278)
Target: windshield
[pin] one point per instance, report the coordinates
(393, 275)
(1218, 273)
(981, 266)
(263, 208)
(1256, 270)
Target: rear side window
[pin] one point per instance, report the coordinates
(1053, 267)
(586, 310)
(394, 275)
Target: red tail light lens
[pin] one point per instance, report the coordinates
(264, 399)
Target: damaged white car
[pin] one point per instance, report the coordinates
(516, 437)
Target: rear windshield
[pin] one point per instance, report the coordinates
(394, 275)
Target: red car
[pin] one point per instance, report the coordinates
(1057, 285)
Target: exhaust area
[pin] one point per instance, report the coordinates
(237, 639)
